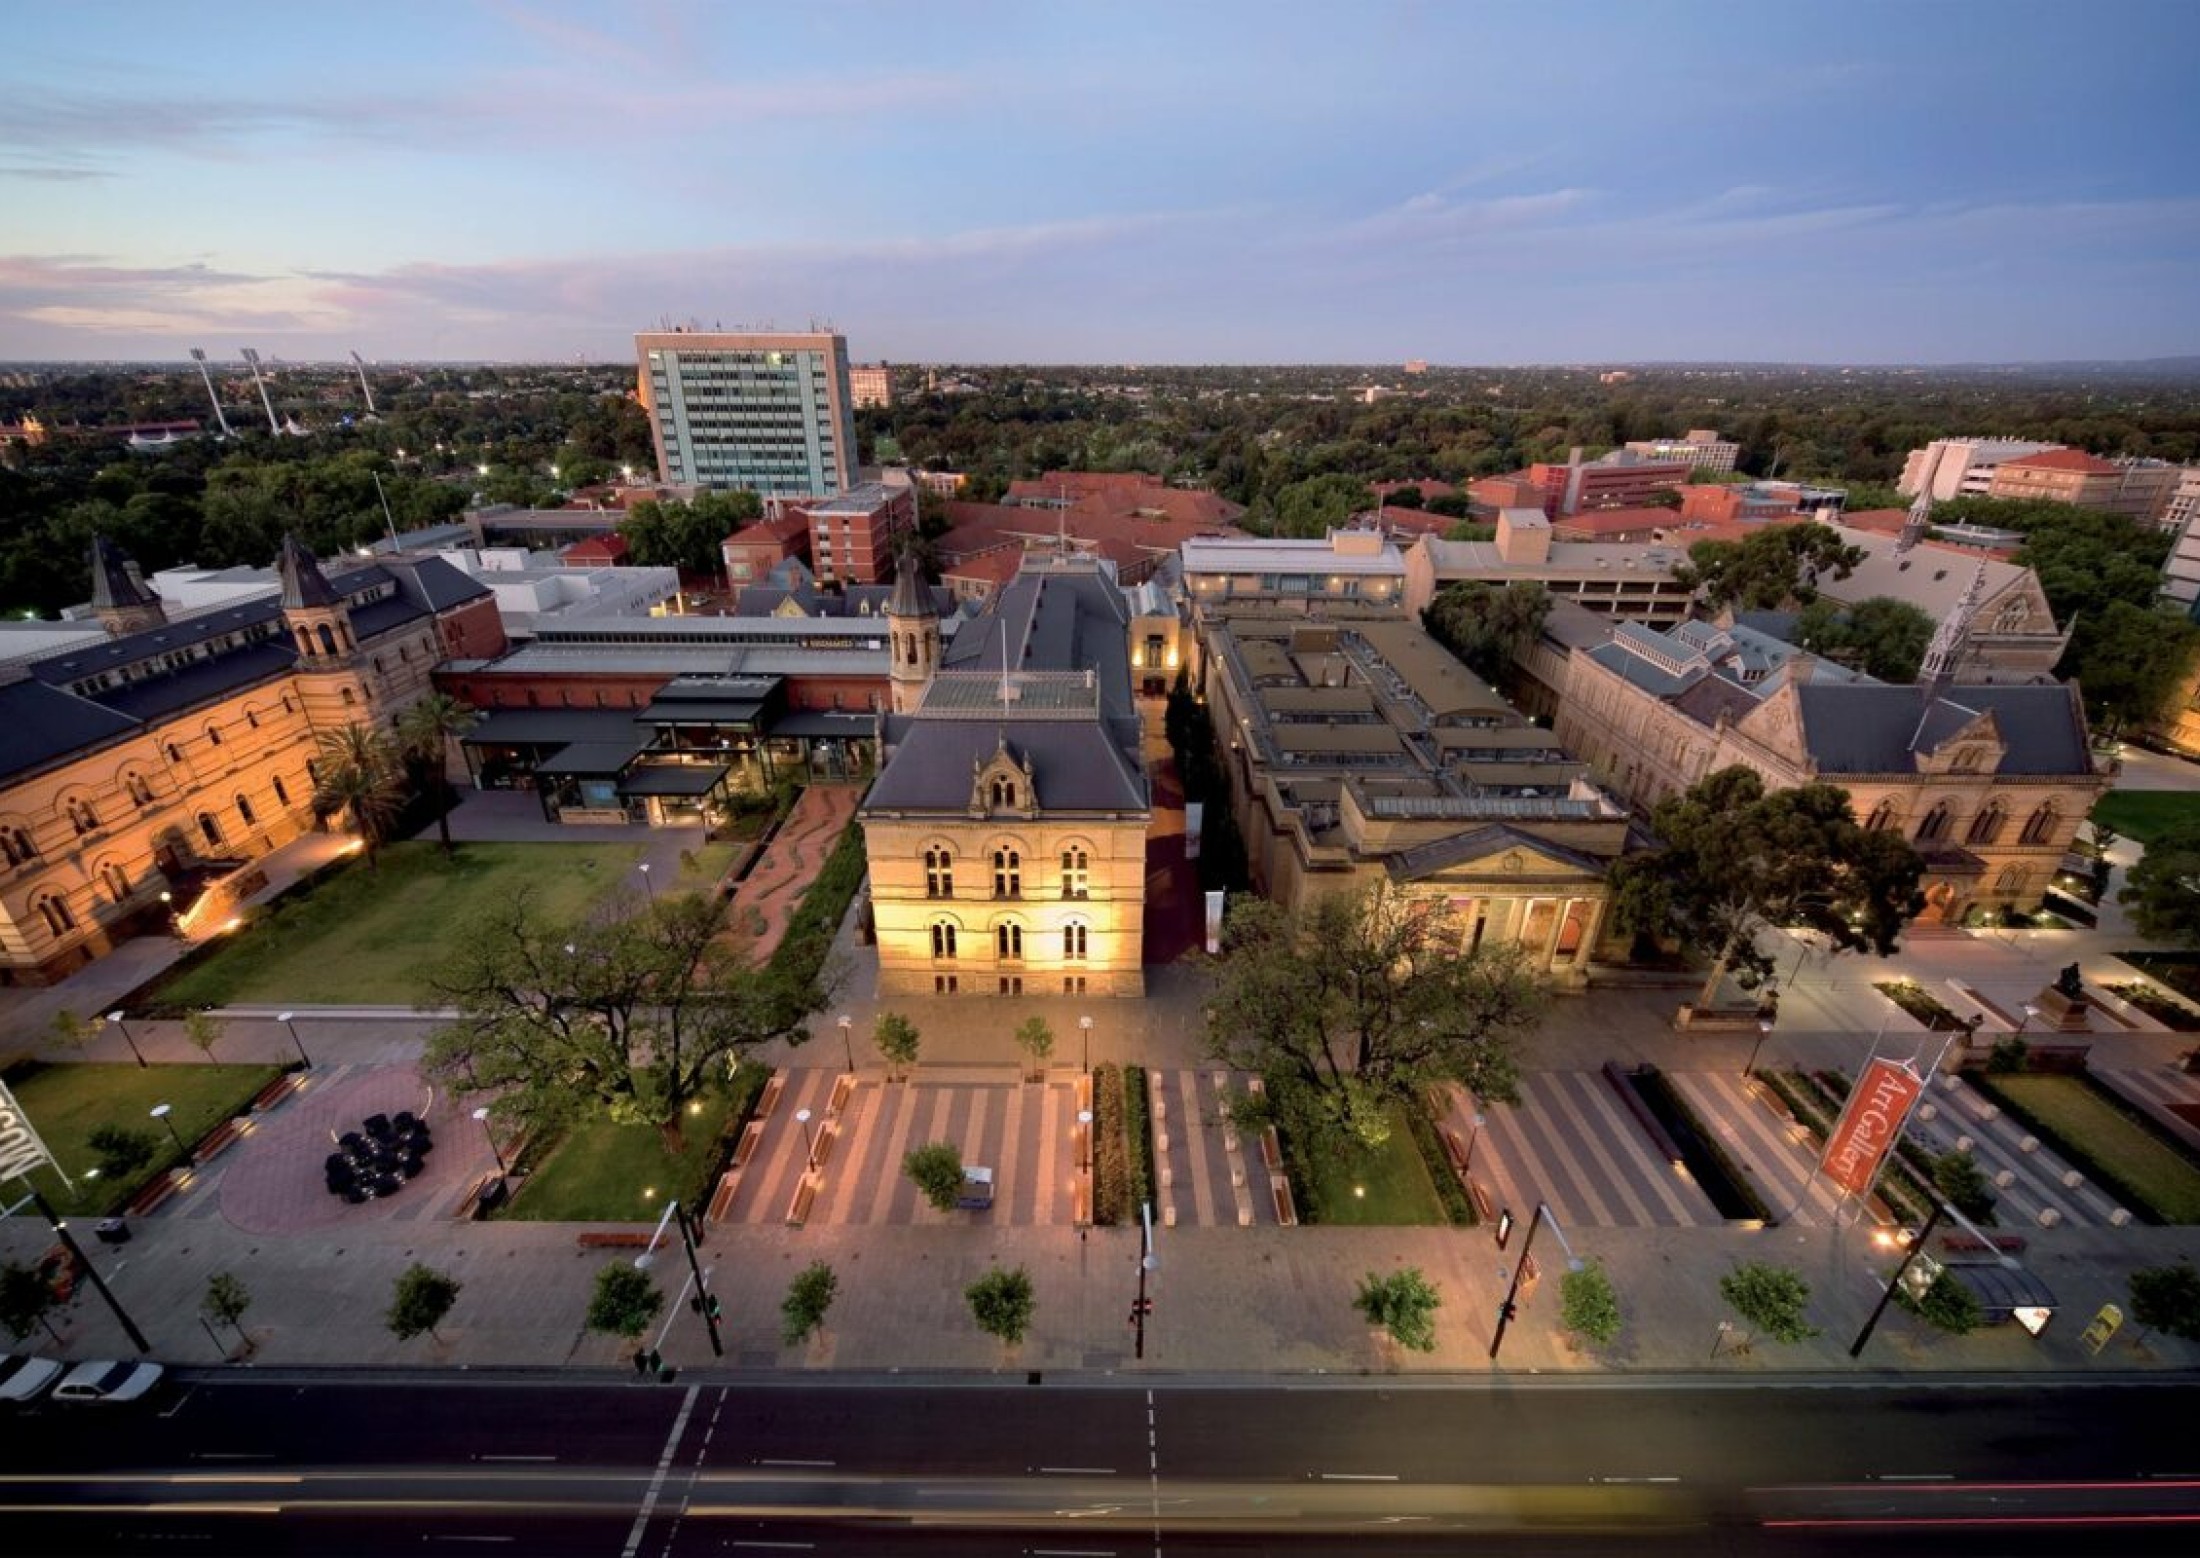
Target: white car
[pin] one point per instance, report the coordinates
(23, 1378)
(107, 1380)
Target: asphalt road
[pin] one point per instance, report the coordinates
(243, 1463)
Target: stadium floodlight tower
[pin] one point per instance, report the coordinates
(364, 387)
(253, 358)
(199, 357)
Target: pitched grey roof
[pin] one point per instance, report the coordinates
(431, 582)
(39, 723)
(1055, 615)
(1075, 766)
(1440, 854)
(1865, 728)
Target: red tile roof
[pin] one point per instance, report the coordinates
(2064, 460)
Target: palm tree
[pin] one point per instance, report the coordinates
(357, 772)
(424, 734)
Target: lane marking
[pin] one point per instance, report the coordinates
(230, 1455)
(1915, 1476)
(1077, 1471)
(515, 1457)
(657, 1483)
(178, 1407)
(1354, 1476)
(473, 1538)
(794, 1463)
(1072, 1552)
(801, 1547)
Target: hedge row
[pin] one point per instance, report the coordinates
(1110, 1165)
(801, 953)
(1139, 1129)
(1458, 1206)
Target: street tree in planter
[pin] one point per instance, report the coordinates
(225, 1301)
(809, 1297)
(203, 1030)
(936, 1169)
(1001, 1302)
(1036, 1040)
(2167, 1298)
(897, 1040)
(1946, 1305)
(1771, 1298)
(624, 1301)
(423, 1297)
(1732, 860)
(1588, 1305)
(1403, 1304)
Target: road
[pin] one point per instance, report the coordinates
(242, 1463)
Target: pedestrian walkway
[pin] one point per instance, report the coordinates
(766, 898)
(1573, 1146)
(2035, 1186)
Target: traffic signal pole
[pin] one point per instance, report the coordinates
(1511, 1306)
(1142, 1306)
(706, 1305)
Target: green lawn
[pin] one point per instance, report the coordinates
(373, 936)
(1387, 1187)
(2143, 815)
(606, 1173)
(66, 1103)
(2145, 1168)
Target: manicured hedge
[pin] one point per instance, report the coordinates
(1458, 1206)
(801, 953)
(1139, 1129)
(1110, 1163)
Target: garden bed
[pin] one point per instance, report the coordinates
(1922, 1004)
(2172, 1014)
(599, 1171)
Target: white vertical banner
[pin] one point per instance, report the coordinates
(1214, 922)
(1195, 815)
(20, 1149)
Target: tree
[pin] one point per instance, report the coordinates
(687, 535)
(1779, 564)
(1588, 1305)
(1404, 1304)
(1352, 1005)
(1486, 626)
(423, 1297)
(2163, 890)
(1946, 1304)
(70, 1031)
(1035, 1039)
(204, 1030)
(424, 736)
(122, 1152)
(629, 1014)
(2165, 1298)
(1883, 637)
(26, 1301)
(1312, 507)
(1771, 1299)
(1957, 1176)
(1001, 1302)
(356, 772)
(936, 1169)
(809, 1297)
(624, 1301)
(896, 1038)
(1731, 860)
(225, 1301)
(2131, 660)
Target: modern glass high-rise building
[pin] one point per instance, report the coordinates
(769, 412)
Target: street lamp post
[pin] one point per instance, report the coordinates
(1474, 1134)
(809, 1139)
(482, 1114)
(1148, 1264)
(1084, 1029)
(847, 1043)
(1510, 1306)
(1764, 1032)
(60, 1227)
(161, 1112)
(123, 1028)
(285, 1018)
(704, 1304)
(1917, 1247)
(646, 888)
(2030, 1012)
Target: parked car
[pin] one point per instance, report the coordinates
(23, 1378)
(977, 1190)
(108, 1380)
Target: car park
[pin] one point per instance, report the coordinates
(22, 1378)
(108, 1380)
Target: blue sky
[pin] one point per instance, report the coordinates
(1076, 181)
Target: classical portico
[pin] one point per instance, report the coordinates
(1502, 885)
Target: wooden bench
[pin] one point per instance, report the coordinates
(805, 1194)
(752, 1136)
(161, 1187)
(769, 1098)
(721, 1199)
(1286, 1213)
(215, 1141)
(615, 1239)
(276, 1091)
(2056, 1059)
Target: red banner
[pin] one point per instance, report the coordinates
(1868, 1126)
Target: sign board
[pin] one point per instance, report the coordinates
(1504, 1227)
(1866, 1131)
(20, 1149)
(1214, 924)
(1195, 818)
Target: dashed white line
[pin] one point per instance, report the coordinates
(657, 1483)
(794, 1463)
(515, 1457)
(1917, 1476)
(1357, 1476)
(1077, 1471)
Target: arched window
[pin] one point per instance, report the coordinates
(211, 828)
(1008, 941)
(1882, 818)
(327, 639)
(244, 810)
(1076, 872)
(82, 817)
(213, 736)
(1004, 791)
(117, 880)
(1074, 937)
(140, 789)
(939, 873)
(350, 697)
(2013, 881)
(252, 718)
(943, 939)
(1935, 824)
(58, 916)
(1987, 825)
(281, 795)
(16, 842)
(1008, 873)
(2042, 825)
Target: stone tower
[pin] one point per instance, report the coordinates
(319, 622)
(913, 629)
(119, 597)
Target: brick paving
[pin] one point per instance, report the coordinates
(767, 897)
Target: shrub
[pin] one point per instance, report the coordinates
(423, 1297)
(1588, 1305)
(1945, 1304)
(624, 1301)
(1138, 1128)
(1403, 1304)
(809, 1296)
(1771, 1298)
(1110, 1166)
(1457, 1207)
(801, 953)
(122, 1151)
(1001, 1302)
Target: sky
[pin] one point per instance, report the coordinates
(1106, 181)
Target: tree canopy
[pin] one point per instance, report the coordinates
(1486, 625)
(628, 1014)
(1778, 566)
(1352, 1004)
(1732, 859)
(2163, 890)
(1883, 637)
(687, 535)
(1773, 1299)
(1403, 1304)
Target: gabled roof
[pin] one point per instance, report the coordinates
(2063, 460)
(1075, 766)
(1442, 854)
(1871, 728)
(39, 724)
